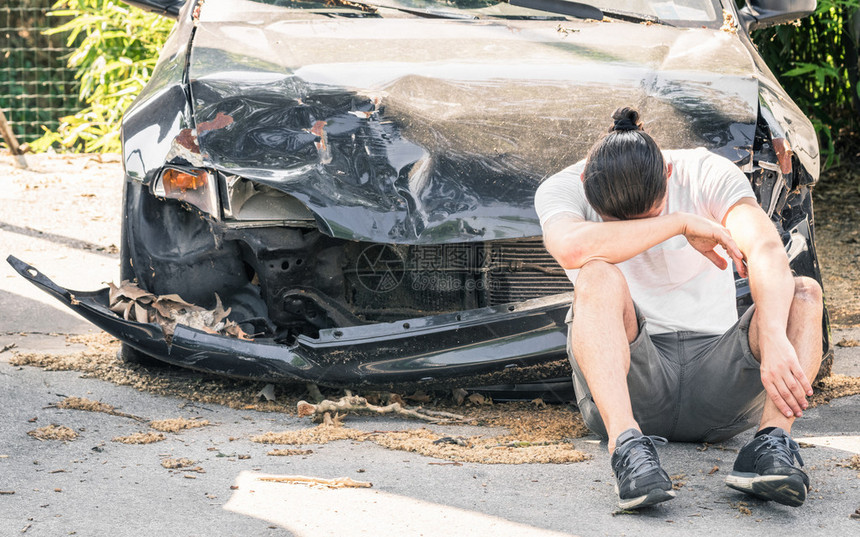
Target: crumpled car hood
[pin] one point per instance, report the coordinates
(430, 131)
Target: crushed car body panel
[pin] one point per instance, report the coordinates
(496, 345)
(419, 131)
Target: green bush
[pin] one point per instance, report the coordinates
(816, 63)
(117, 51)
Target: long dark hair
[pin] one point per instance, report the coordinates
(625, 175)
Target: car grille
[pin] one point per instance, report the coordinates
(388, 282)
(522, 270)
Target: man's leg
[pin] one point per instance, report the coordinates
(765, 466)
(604, 324)
(603, 327)
(804, 333)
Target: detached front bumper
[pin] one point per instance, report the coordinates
(509, 344)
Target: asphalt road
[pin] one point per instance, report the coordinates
(65, 222)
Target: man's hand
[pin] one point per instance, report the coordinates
(783, 378)
(704, 235)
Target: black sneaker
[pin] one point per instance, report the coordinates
(765, 469)
(640, 481)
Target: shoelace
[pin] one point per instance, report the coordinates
(639, 456)
(785, 449)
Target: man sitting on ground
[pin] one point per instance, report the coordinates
(654, 337)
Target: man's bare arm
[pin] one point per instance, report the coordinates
(772, 287)
(574, 242)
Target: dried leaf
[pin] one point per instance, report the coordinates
(164, 308)
(478, 399)
(268, 392)
(113, 293)
(122, 308)
(219, 312)
(175, 299)
(133, 303)
(141, 315)
(127, 290)
(419, 396)
(459, 395)
(236, 331)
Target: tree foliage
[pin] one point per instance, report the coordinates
(117, 48)
(816, 62)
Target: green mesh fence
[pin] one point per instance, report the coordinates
(36, 87)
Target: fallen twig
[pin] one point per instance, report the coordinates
(337, 483)
(289, 452)
(354, 403)
(446, 415)
(8, 347)
(81, 403)
(521, 444)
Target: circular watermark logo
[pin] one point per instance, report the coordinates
(379, 268)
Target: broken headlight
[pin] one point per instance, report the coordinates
(193, 186)
(244, 202)
(248, 201)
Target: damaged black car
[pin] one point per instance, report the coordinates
(341, 192)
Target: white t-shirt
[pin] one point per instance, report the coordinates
(674, 286)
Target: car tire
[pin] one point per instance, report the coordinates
(129, 355)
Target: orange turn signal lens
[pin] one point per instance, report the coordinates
(197, 187)
(178, 181)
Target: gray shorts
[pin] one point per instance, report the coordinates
(686, 386)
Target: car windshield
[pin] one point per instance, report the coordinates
(665, 10)
(670, 11)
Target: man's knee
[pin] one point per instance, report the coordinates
(601, 290)
(808, 293)
(600, 279)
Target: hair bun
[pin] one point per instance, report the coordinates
(626, 119)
